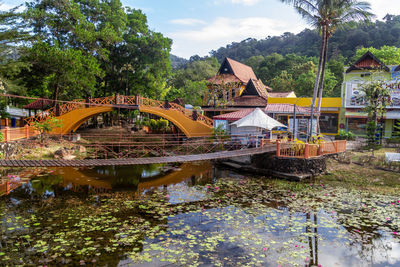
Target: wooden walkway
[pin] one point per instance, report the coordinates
(137, 161)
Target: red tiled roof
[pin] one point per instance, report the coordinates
(279, 94)
(41, 103)
(234, 116)
(250, 101)
(369, 62)
(224, 78)
(243, 72)
(270, 108)
(286, 108)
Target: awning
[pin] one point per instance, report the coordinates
(258, 119)
(359, 115)
(393, 115)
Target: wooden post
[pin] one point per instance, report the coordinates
(307, 151)
(26, 131)
(278, 148)
(319, 151)
(6, 133)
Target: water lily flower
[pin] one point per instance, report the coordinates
(307, 259)
(395, 233)
(216, 188)
(265, 249)
(319, 265)
(167, 196)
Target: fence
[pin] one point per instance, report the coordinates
(12, 134)
(295, 150)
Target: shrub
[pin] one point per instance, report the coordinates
(343, 135)
(45, 127)
(393, 140)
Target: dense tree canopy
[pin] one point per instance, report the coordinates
(344, 42)
(80, 48)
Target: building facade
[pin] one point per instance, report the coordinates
(365, 70)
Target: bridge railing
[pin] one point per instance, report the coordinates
(143, 147)
(67, 107)
(296, 150)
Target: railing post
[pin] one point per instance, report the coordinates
(307, 151)
(26, 131)
(278, 148)
(319, 151)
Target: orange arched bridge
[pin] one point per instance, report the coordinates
(73, 114)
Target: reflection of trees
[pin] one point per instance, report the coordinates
(124, 176)
(41, 185)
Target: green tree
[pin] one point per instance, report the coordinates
(282, 83)
(377, 97)
(140, 63)
(12, 34)
(327, 16)
(60, 73)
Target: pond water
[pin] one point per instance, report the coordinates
(193, 214)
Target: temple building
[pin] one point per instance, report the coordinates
(237, 87)
(367, 69)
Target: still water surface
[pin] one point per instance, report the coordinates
(193, 214)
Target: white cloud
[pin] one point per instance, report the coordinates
(187, 22)
(223, 31)
(382, 7)
(241, 2)
(6, 7)
(245, 2)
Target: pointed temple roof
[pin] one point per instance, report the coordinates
(255, 87)
(233, 71)
(368, 62)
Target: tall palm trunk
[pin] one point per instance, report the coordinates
(317, 80)
(321, 88)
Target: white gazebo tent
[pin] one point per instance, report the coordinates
(257, 120)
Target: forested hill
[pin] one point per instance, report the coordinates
(306, 43)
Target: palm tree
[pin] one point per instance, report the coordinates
(328, 16)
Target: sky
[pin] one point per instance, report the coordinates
(199, 26)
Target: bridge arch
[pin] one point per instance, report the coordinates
(72, 120)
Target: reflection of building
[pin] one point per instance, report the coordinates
(364, 70)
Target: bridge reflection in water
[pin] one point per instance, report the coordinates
(138, 179)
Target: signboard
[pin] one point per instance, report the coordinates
(355, 96)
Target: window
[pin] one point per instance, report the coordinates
(357, 126)
(329, 123)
